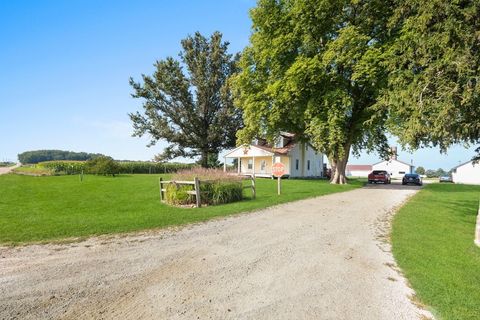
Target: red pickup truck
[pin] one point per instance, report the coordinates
(379, 176)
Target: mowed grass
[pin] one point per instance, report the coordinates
(432, 241)
(37, 209)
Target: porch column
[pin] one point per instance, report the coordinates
(238, 165)
(224, 164)
(271, 169)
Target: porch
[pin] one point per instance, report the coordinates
(256, 162)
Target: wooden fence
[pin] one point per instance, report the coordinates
(196, 188)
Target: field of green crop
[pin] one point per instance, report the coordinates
(36, 209)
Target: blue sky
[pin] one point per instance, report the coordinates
(65, 65)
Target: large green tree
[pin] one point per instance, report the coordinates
(433, 94)
(313, 67)
(193, 111)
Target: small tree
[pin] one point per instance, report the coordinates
(431, 173)
(440, 172)
(103, 165)
(420, 170)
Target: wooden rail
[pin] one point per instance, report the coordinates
(196, 188)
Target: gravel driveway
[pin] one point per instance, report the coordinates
(322, 258)
(5, 170)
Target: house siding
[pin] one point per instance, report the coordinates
(467, 173)
(396, 169)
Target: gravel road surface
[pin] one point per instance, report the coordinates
(321, 258)
(5, 170)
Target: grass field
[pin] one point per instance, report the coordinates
(433, 243)
(36, 209)
(32, 170)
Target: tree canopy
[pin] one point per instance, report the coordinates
(314, 68)
(343, 73)
(37, 156)
(420, 170)
(433, 93)
(193, 111)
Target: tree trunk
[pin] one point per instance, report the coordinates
(204, 159)
(339, 167)
(338, 171)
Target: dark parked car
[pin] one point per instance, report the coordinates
(412, 178)
(379, 176)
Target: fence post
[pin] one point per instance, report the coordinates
(197, 192)
(161, 192)
(254, 191)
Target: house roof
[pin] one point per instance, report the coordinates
(462, 164)
(282, 151)
(359, 167)
(405, 163)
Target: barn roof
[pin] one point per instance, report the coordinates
(405, 163)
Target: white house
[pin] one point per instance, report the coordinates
(358, 170)
(300, 159)
(396, 168)
(468, 173)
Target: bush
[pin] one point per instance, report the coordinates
(177, 194)
(216, 187)
(102, 165)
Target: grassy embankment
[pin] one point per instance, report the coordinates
(433, 243)
(35, 209)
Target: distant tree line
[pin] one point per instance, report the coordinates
(430, 173)
(37, 156)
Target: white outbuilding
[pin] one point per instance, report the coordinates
(358, 170)
(396, 168)
(468, 173)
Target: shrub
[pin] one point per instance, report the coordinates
(216, 187)
(177, 194)
(102, 165)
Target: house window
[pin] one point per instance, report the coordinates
(250, 164)
(296, 164)
(308, 164)
(263, 164)
(277, 160)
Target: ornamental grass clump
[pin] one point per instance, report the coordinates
(216, 187)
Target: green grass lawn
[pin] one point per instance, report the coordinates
(35, 209)
(432, 241)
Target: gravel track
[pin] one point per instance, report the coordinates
(321, 258)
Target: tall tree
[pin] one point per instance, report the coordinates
(313, 67)
(433, 91)
(194, 112)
